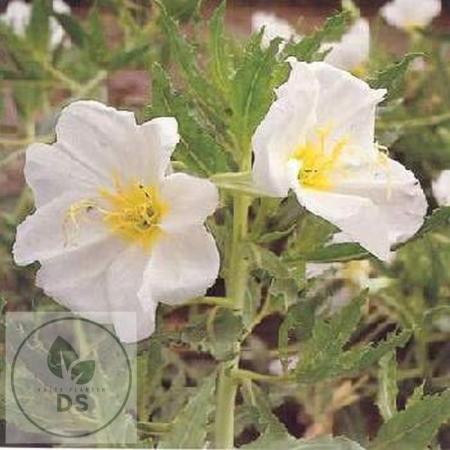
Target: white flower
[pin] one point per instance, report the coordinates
(18, 15)
(113, 231)
(318, 140)
(441, 188)
(274, 27)
(410, 14)
(352, 51)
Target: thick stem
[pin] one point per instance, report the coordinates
(225, 397)
(236, 285)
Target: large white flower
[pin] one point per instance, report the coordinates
(274, 27)
(441, 188)
(18, 15)
(410, 14)
(113, 230)
(352, 51)
(318, 140)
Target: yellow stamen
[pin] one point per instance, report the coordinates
(135, 212)
(317, 162)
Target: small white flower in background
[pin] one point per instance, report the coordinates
(318, 140)
(113, 230)
(441, 188)
(410, 14)
(274, 27)
(352, 51)
(18, 15)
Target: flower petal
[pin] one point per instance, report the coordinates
(396, 192)
(281, 131)
(409, 13)
(347, 105)
(190, 200)
(441, 188)
(124, 278)
(108, 142)
(50, 231)
(273, 27)
(356, 216)
(51, 173)
(182, 266)
(353, 49)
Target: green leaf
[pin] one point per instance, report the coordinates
(338, 253)
(198, 149)
(274, 435)
(308, 48)
(413, 428)
(252, 88)
(97, 46)
(38, 28)
(61, 352)
(387, 386)
(124, 57)
(3, 303)
(220, 62)
(190, 426)
(73, 28)
(392, 77)
(83, 371)
(264, 259)
(182, 10)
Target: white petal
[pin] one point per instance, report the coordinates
(396, 192)
(77, 278)
(347, 105)
(17, 16)
(124, 279)
(273, 27)
(182, 266)
(160, 137)
(109, 142)
(441, 188)
(353, 49)
(410, 13)
(51, 173)
(49, 232)
(282, 130)
(356, 216)
(190, 200)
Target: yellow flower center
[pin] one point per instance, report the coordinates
(317, 162)
(135, 212)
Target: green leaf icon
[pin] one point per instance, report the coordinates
(61, 352)
(83, 371)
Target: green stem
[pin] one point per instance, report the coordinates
(242, 374)
(223, 302)
(236, 286)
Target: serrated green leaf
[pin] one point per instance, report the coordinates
(73, 28)
(262, 258)
(198, 150)
(392, 77)
(220, 62)
(252, 88)
(274, 435)
(124, 57)
(189, 428)
(413, 428)
(387, 386)
(97, 46)
(308, 48)
(182, 10)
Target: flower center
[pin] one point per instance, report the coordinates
(317, 162)
(135, 212)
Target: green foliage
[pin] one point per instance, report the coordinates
(189, 429)
(413, 428)
(323, 356)
(387, 389)
(198, 149)
(308, 48)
